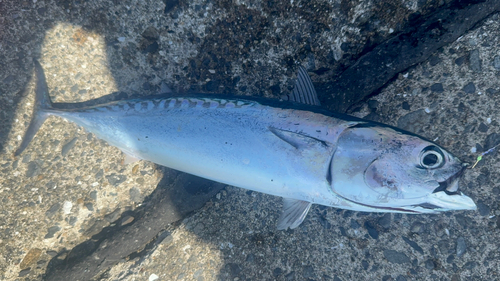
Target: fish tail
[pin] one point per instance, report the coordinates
(41, 109)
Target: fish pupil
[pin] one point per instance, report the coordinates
(430, 159)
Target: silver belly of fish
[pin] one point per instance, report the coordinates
(294, 150)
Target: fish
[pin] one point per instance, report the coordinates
(291, 148)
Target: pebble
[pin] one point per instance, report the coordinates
(396, 257)
(385, 221)
(461, 246)
(414, 120)
(414, 245)
(153, 277)
(482, 128)
(437, 88)
(483, 209)
(470, 88)
(51, 231)
(429, 264)
(475, 61)
(67, 207)
(417, 227)
(371, 230)
(496, 62)
(400, 278)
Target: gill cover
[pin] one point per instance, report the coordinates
(384, 169)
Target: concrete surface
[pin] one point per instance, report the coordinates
(68, 185)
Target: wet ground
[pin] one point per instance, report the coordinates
(69, 200)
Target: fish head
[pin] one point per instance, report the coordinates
(385, 169)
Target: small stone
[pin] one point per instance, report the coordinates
(385, 221)
(373, 104)
(127, 219)
(33, 169)
(429, 264)
(290, 276)
(470, 265)
(371, 230)
(277, 272)
(135, 195)
(68, 146)
(491, 140)
(470, 88)
(482, 128)
(30, 258)
(405, 105)
(89, 206)
(115, 179)
(475, 61)
(461, 246)
(151, 33)
(308, 272)
(153, 277)
(111, 217)
(483, 209)
(417, 227)
(24, 272)
(437, 88)
(496, 62)
(72, 220)
(53, 210)
(400, 278)
(459, 61)
(355, 224)
(51, 231)
(396, 257)
(414, 245)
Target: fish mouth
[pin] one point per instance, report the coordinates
(450, 186)
(447, 196)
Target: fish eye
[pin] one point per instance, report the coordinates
(431, 157)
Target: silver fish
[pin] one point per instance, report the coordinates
(295, 150)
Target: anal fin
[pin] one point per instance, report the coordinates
(294, 213)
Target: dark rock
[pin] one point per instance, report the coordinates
(387, 278)
(336, 279)
(470, 88)
(89, 206)
(290, 276)
(51, 231)
(396, 257)
(405, 105)
(33, 169)
(111, 217)
(212, 86)
(491, 91)
(152, 48)
(460, 60)
(355, 224)
(437, 88)
(400, 278)
(385, 221)
(371, 230)
(68, 146)
(475, 61)
(250, 258)
(417, 227)
(461, 246)
(470, 265)
(151, 33)
(135, 195)
(365, 264)
(496, 62)
(115, 179)
(93, 194)
(450, 258)
(414, 121)
(277, 272)
(24, 272)
(233, 269)
(483, 209)
(373, 104)
(72, 220)
(414, 245)
(429, 264)
(170, 5)
(434, 60)
(52, 210)
(308, 272)
(482, 128)
(491, 140)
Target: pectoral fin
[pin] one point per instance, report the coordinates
(297, 140)
(294, 212)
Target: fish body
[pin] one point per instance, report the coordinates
(294, 150)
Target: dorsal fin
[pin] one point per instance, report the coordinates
(304, 91)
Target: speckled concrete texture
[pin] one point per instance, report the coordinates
(68, 185)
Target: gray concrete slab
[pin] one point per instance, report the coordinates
(68, 185)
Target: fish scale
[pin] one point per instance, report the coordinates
(293, 149)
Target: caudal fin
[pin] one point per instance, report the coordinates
(40, 110)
